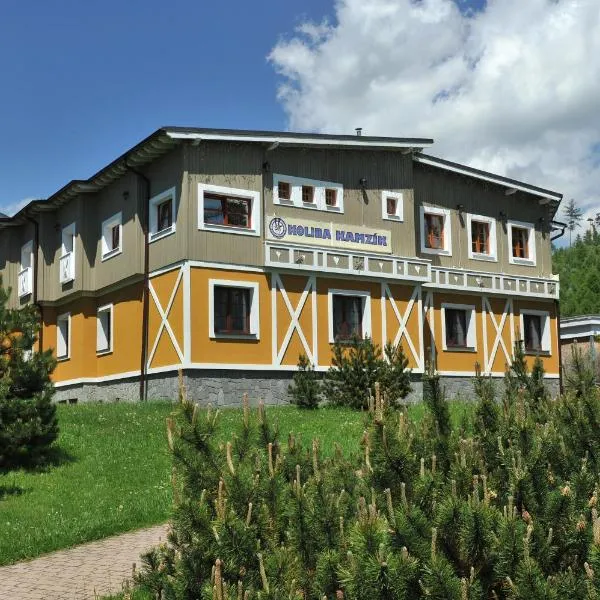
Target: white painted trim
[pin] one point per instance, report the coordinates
(499, 328)
(415, 300)
(546, 340)
(471, 327)
(493, 255)
(106, 231)
(254, 309)
(398, 217)
(366, 305)
(294, 313)
(507, 185)
(493, 374)
(164, 315)
(297, 141)
(107, 308)
(153, 234)
(319, 187)
(528, 262)
(444, 212)
(255, 209)
(428, 310)
(63, 317)
(242, 367)
(187, 312)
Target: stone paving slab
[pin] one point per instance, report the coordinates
(80, 573)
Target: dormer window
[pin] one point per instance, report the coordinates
(284, 191)
(165, 215)
(228, 210)
(162, 215)
(67, 254)
(392, 206)
(482, 237)
(111, 236)
(25, 282)
(435, 231)
(521, 239)
(308, 194)
(330, 197)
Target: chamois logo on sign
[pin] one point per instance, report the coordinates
(277, 227)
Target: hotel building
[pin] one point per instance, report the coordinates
(226, 254)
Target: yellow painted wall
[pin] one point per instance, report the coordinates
(127, 331)
(233, 351)
(127, 327)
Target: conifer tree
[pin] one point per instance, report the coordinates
(28, 424)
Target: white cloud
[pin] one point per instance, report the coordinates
(14, 207)
(514, 89)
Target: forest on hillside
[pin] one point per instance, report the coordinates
(579, 270)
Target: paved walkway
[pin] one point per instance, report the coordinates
(81, 573)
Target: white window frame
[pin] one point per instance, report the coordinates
(444, 212)
(64, 317)
(399, 214)
(106, 309)
(366, 305)
(493, 255)
(254, 309)
(471, 327)
(513, 260)
(26, 250)
(319, 186)
(546, 330)
(153, 203)
(106, 232)
(255, 209)
(69, 230)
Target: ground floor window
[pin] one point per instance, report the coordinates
(104, 329)
(349, 315)
(63, 336)
(458, 322)
(233, 308)
(535, 331)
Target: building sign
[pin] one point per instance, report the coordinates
(335, 235)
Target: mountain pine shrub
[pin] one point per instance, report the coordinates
(358, 365)
(306, 387)
(504, 509)
(28, 424)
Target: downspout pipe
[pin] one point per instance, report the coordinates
(34, 291)
(143, 392)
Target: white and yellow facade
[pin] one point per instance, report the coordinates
(129, 268)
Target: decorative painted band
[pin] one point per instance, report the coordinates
(335, 261)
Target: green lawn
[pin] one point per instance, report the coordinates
(114, 474)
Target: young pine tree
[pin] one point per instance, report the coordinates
(306, 389)
(28, 424)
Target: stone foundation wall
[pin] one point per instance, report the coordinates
(222, 387)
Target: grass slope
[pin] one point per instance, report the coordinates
(113, 476)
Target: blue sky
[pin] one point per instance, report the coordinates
(84, 81)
